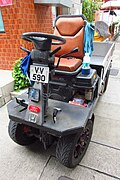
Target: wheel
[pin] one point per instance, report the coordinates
(19, 133)
(106, 81)
(71, 149)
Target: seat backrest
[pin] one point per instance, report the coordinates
(71, 27)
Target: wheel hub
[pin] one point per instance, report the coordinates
(82, 141)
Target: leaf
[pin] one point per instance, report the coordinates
(21, 80)
(89, 7)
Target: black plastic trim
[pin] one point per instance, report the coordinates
(69, 16)
(43, 128)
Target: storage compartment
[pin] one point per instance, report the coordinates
(86, 80)
(83, 97)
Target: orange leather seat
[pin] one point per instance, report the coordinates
(68, 64)
(72, 29)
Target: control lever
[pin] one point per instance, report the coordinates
(55, 51)
(71, 52)
(22, 102)
(67, 54)
(24, 49)
(55, 112)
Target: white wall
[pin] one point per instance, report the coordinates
(76, 7)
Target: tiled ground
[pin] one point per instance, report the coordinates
(6, 86)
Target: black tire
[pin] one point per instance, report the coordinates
(106, 81)
(71, 149)
(18, 135)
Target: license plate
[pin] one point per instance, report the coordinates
(39, 74)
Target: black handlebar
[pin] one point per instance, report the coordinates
(38, 36)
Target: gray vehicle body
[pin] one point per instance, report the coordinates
(71, 118)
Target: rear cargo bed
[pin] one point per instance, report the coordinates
(102, 56)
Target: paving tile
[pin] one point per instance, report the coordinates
(54, 170)
(114, 72)
(115, 59)
(116, 77)
(0, 91)
(2, 101)
(106, 131)
(20, 163)
(116, 56)
(112, 94)
(102, 158)
(3, 116)
(107, 110)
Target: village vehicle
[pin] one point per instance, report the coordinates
(59, 104)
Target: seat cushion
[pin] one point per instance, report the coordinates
(68, 64)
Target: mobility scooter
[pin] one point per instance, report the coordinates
(60, 101)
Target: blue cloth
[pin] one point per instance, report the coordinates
(88, 38)
(25, 64)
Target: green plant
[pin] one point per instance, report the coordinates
(88, 9)
(21, 80)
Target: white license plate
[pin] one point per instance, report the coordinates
(39, 74)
